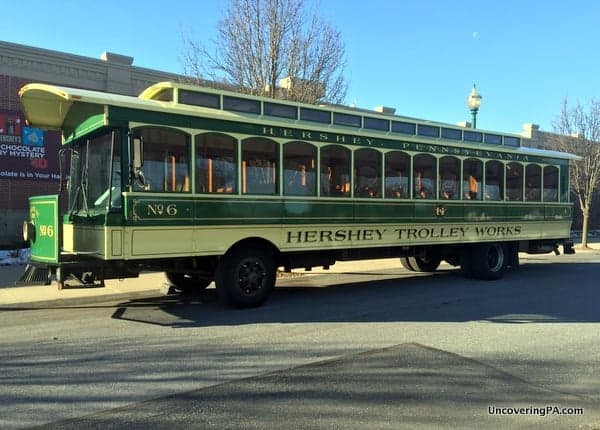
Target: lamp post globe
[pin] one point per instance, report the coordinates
(474, 102)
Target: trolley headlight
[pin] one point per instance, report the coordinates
(28, 231)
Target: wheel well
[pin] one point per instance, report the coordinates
(256, 242)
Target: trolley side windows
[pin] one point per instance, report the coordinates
(315, 115)
(452, 133)
(425, 174)
(448, 178)
(514, 182)
(533, 183)
(428, 130)
(197, 98)
(347, 119)
(280, 110)
(335, 171)
(299, 169)
(259, 166)
(494, 180)
(166, 159)
(404, 127)
(239, 104)
(550, 184)
(216, 163)
(397, 175)
(376, 123)
(367, 173)
(472, 176)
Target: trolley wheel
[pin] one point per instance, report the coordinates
(405, 262)
(187, 283)
(246, 277)
(429, 263)
(512, 255)
(488, 261)
(465, 263)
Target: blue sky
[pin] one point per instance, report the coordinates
(419, 56)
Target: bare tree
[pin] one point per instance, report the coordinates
(578, 131)
(269, 47)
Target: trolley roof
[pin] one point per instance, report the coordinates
(48, 107)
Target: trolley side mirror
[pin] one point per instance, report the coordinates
(138, 154)
(138, 159)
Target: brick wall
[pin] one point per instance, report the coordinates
(9, 92)
(14, 193)
(19, 65)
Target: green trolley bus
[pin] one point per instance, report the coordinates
(210, 185)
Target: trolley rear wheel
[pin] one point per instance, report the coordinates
(488, 261)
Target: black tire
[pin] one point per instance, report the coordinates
(246, 277)
(488, 261)
(512, 255)
(405, 262)
(466, 266)
(429, 263)
(187, 283)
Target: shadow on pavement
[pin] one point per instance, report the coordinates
(441, 297)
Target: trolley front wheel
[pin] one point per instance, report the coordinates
(246, 277)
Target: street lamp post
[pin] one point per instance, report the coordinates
(473, 102)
